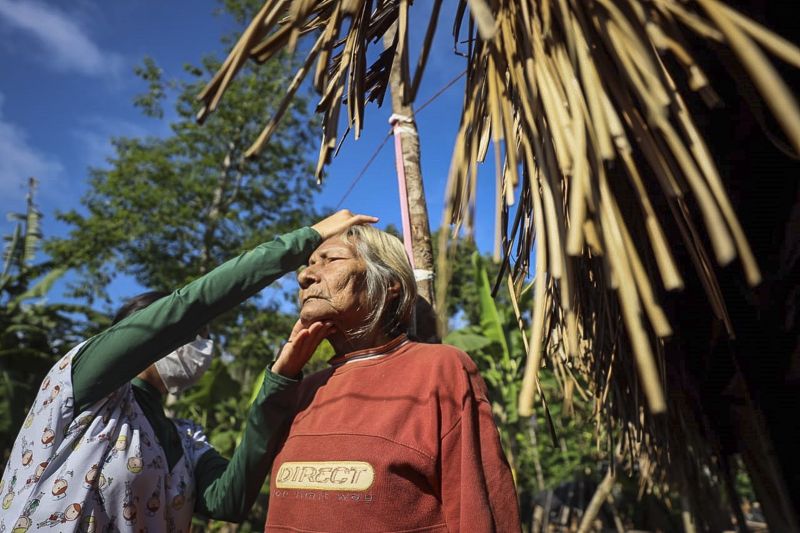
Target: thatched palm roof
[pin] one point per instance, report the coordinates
(587, 106)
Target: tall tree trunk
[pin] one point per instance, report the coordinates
(220, 203)
(417, 207)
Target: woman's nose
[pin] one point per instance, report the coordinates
(307, 276)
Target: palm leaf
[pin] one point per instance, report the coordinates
(595, 147)
(491, 324)
(12, 251)
(467, 341)
(43, 286)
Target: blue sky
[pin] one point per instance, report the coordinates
(67, 86)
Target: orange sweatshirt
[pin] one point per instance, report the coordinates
(396, 438)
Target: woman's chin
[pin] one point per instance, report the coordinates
(311, 313)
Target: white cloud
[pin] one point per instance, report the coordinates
(94, 134)
(65, 44)
(18, 161)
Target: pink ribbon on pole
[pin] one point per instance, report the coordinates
(396, 122)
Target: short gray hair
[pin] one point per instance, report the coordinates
(386, 263)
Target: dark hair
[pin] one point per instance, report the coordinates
(139, 301)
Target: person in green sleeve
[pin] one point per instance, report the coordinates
(96, 451)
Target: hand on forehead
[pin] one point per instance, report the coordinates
(332, 247)
(340, 222)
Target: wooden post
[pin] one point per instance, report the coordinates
(417, 207)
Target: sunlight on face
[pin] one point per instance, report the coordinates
(332, 286)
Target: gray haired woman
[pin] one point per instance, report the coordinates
(394, 435)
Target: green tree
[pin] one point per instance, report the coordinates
(33, 331)
(463, 302)
(165, 210)
(558, 444)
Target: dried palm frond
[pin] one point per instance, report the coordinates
(586, 106)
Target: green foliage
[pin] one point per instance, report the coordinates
(150, 102)
(165, 210)
(32, 333)
(242, 11)
(463, 300)
(168, 209)
(217, 403)
(494, 341)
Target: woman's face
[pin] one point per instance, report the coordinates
(332, 287)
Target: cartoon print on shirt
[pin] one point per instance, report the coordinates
(45, 383)
(90, 479)
(180, 498)
(27, 452)
(53, 394)
(129, 505)
(135, 463)
(154, 501)
(119, 446)
(70, 514)
(101, 485)
(85, 480)
(64, 362)
(8, 498)
(22, 524)
(60, 485)
(37, 474)
(24, 521)
(48, 436)
(102, 437)
(81, 423)
(29, 418)
(94, 478)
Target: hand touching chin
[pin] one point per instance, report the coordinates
(316, 310)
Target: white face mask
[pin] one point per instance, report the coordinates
(182, 368)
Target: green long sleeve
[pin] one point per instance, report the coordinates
(114, 357)
(226, 490)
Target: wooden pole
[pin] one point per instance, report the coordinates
(417, 207)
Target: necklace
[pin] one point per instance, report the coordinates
(373, 353)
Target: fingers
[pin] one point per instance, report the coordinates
(296, 329)
(362, 219)
(341, 221)
(300, 347)
(308, 339)
(316, 334)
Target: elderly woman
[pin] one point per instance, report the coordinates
(395, 435)
(98, 453)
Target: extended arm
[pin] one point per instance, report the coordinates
(115, 356)
(226, 489)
